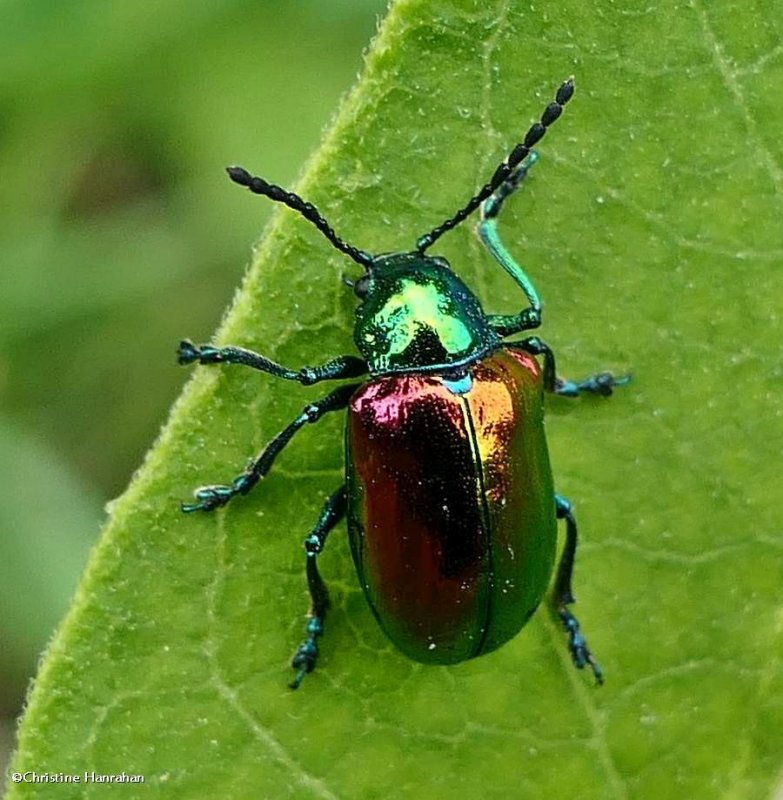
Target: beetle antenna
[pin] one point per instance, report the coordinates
(307, 210)
(504, 170)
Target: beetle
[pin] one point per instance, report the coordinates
(448, 493)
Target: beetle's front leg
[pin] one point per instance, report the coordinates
(336, 369)
(602, 383)
(211, 497)
(306, 654)
(563, 595)
(528, 318)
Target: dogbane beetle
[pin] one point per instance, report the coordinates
(448, 492)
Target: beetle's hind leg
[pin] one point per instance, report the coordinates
(306, 654)
(602, 383)
(563, 595)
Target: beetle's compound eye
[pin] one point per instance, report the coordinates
(362, 287)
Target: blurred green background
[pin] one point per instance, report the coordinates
(119, 235)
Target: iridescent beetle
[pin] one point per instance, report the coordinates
(452, 513)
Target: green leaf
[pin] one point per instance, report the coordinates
(652, 229)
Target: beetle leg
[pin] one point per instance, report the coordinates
(336, 369)
(306, 654)
(602, 383)
(210, 497)
(563, 595)
(528, 318)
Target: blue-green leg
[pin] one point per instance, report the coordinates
(602, 383)
(563, 595)
(528, 318)
(306, 655)
(211, 497)
(336, 369)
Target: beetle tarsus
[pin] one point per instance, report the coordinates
(209, 498)
(602, 383)
(297, 681)
(577, 645)
(306, 655)
(492, 206)
(212, 497)
(187, 352)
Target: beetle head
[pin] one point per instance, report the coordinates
(415, 313)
